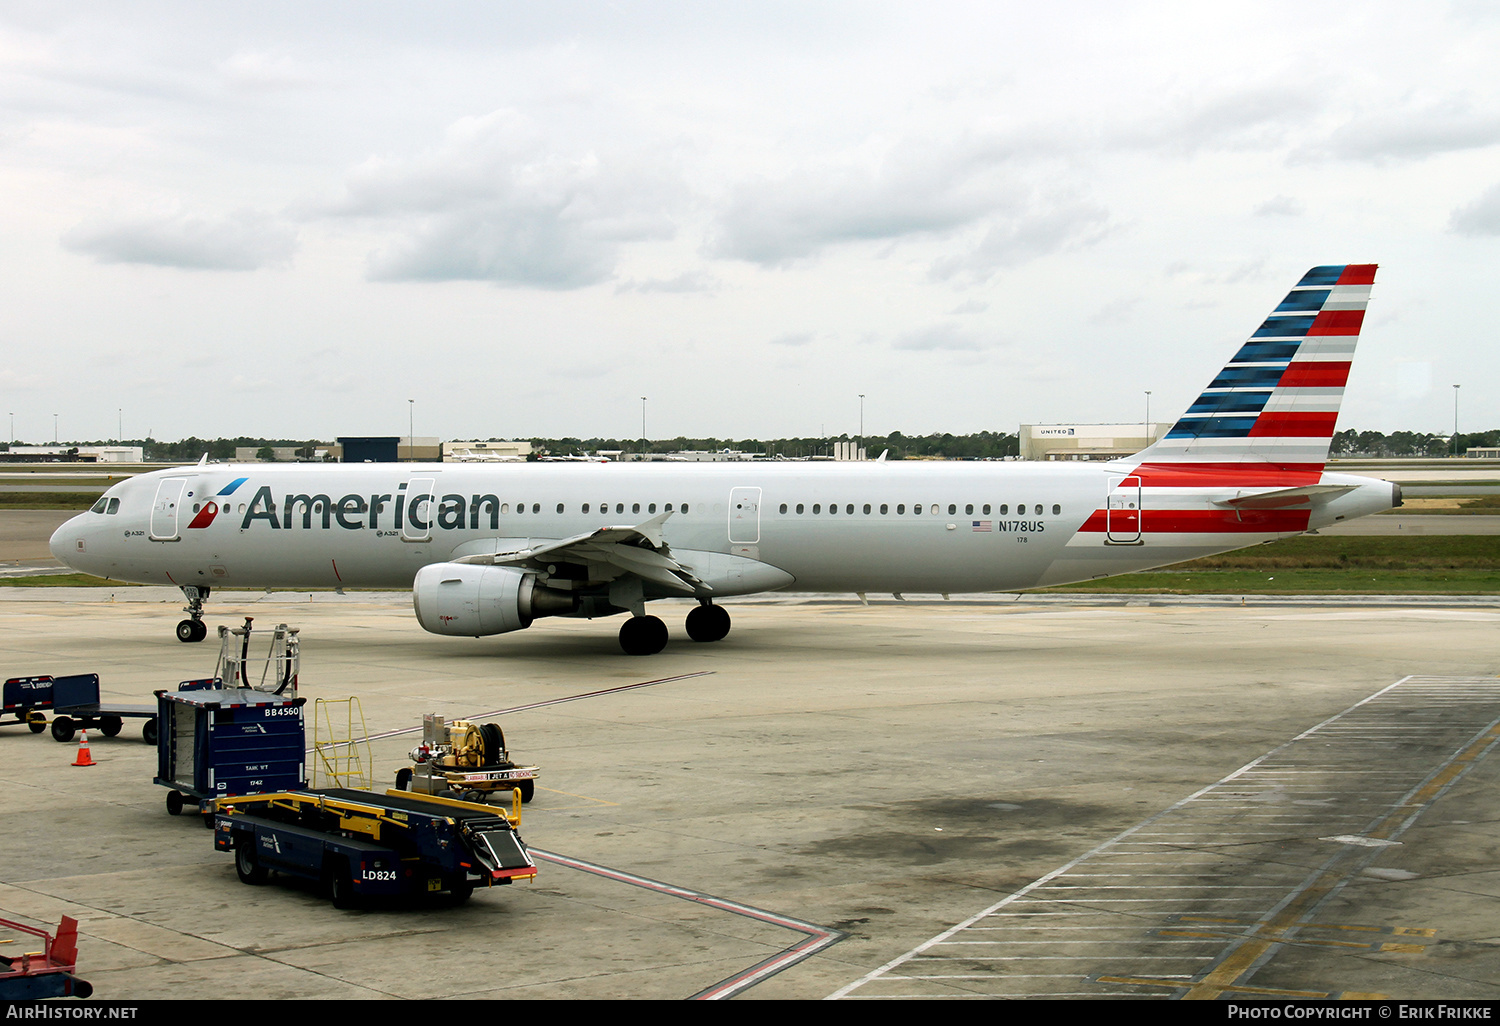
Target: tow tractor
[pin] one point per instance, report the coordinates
(358, 845)
(464, 760)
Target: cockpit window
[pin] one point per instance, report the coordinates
(100, 506)
(114, 506)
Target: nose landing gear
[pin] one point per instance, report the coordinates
(193, 628)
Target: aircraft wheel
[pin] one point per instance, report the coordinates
(187, 630)
(708, 623)
(643, 635)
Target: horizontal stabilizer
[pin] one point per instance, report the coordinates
(1285, 497)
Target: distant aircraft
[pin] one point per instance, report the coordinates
(489, 549)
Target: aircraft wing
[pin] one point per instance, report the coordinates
(638, 550)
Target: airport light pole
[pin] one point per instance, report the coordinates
(1455, 420)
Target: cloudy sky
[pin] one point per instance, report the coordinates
(290, 219)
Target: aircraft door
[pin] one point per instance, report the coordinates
(744, 516)
(421, 510)
(1122, 513)
(164, 510)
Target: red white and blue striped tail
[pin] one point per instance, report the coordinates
(1277, 400)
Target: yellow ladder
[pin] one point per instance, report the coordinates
(341, 744)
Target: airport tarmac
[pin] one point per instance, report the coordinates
(962, 799)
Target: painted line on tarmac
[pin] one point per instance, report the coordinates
(816, 937)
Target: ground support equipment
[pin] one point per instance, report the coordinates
(217, 742)
(465, 760)
(75, 701)
(358, 845)
(49, 973)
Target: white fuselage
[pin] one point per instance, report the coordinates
(829, 527)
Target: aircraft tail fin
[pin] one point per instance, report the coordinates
(1277, 400)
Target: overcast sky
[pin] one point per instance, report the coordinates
(290, 219)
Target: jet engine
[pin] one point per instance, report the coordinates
(473, 601)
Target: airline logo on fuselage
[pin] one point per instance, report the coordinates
(392, 511)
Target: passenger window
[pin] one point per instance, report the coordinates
(817, 507)
(619, 507)
(986, 509)
(635, 507)
(536, 507)
(520, 507)
(585, 507)
(1056, 509)
(559, 507)
(1020, 509)
(1038, 510)
(799, 509)
(916, 509)
(684, 507)
(669, 508)
(969, 510)
(884, 509)
(833, 507)
(900, 509)
(952, 509)
(783, 507)
(505, 507)
(1004, 509)
(849, 508)
(651, 508)
(867, 509)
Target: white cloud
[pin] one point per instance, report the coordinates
(242, 241)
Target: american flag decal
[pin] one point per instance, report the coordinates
(981, 526)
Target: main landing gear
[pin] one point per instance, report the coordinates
(647, 635)
(193, 628)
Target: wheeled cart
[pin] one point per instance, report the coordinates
(359, 845)
(48, 973)
(460, 759)
(216, 742)
(75, 701)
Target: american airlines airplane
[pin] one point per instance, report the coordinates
(487, 549)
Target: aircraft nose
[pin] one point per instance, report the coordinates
(66, 541)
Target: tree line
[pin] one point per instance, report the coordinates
(981, 446)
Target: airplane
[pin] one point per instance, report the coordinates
(489, 549)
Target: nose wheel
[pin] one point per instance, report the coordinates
(193, 628)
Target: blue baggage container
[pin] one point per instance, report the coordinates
(217, 743)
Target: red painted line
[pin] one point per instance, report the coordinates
(336, 569)
(1358, 274)
(818, 937)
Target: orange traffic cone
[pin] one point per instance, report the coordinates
(84, 758)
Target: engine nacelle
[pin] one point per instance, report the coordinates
(474, 601)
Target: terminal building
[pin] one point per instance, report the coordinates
(1087, 441)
